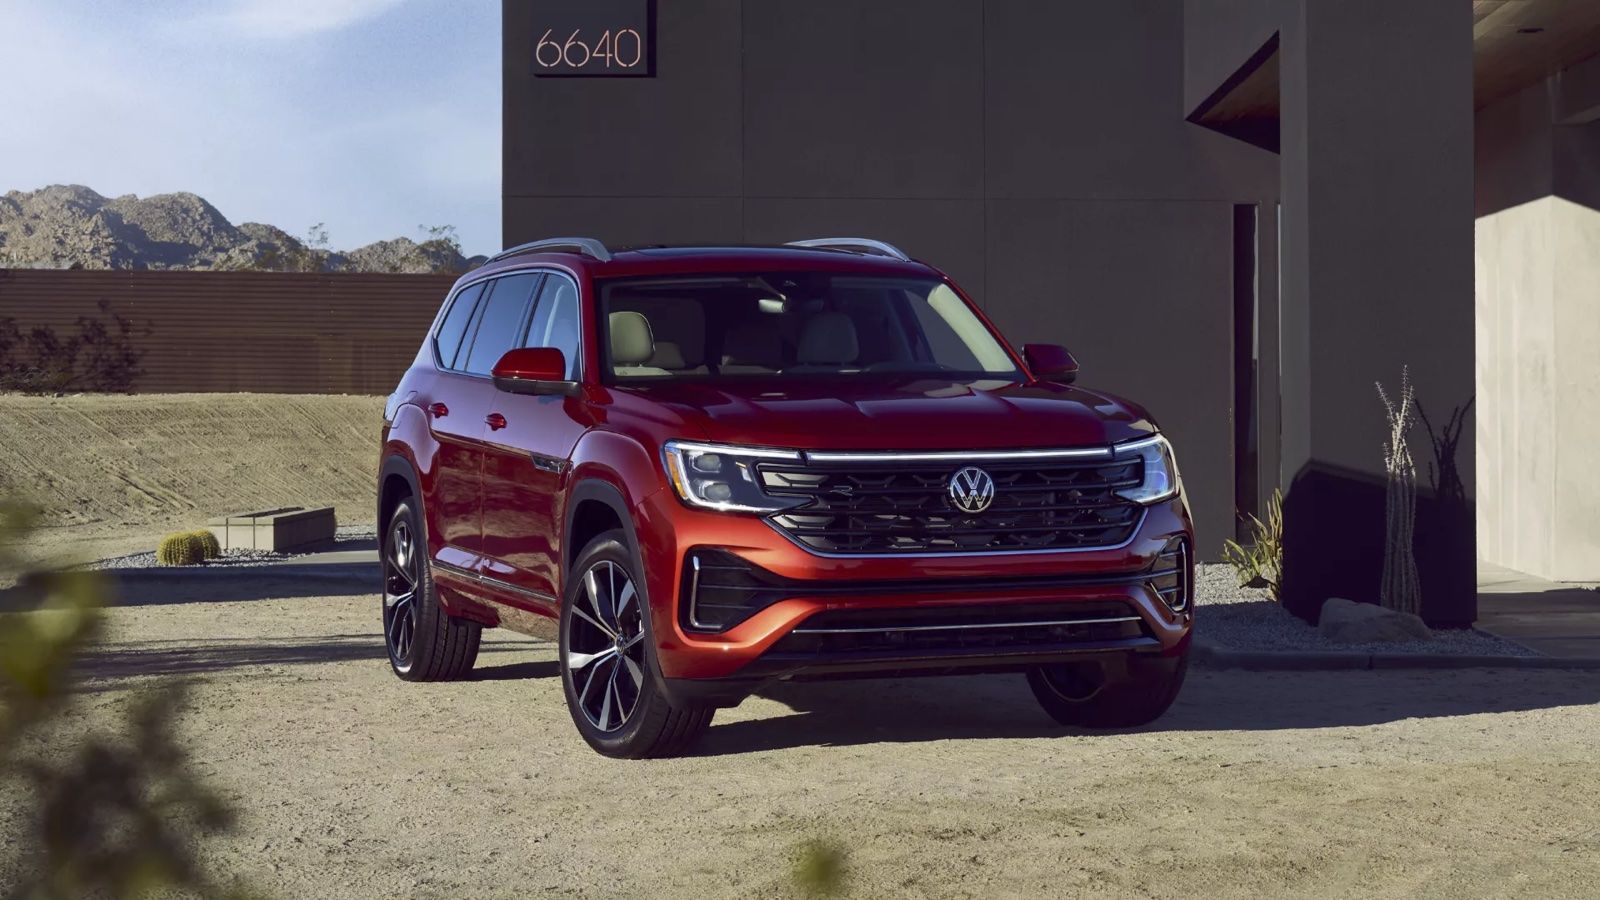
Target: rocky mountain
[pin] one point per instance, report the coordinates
(70, 226)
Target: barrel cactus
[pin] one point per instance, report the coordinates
(182, 549)
(210, 547)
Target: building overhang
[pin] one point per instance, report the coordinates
(1515, 44)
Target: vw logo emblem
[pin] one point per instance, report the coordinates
(971, 490)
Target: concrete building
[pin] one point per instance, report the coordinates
(1243, 213)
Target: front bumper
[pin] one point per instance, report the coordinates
(1041, 592)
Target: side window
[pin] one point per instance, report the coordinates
(448, 341)
(501, 322)
(555, 321)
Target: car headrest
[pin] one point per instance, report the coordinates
(668, 356)
(632, 343)
(828, 339)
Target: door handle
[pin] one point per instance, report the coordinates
(495, 421)
(439, 410)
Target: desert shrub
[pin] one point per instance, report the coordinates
(210, 547)
(1259, 561)
(101, 356)
(181, 549)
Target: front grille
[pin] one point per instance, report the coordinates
(906, 508)
(993, 627)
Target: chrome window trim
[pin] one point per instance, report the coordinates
(876, 629)
(543, 268)
(1144, 513)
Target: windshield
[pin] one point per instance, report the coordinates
(793, 325)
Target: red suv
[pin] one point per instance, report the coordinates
(703, 469)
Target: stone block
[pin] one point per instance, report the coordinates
(276, 530)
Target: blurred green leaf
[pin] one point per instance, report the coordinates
(820, 869)
(114, 814)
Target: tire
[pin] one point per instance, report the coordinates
(1080, 696)
(609, 670)
(424, 642)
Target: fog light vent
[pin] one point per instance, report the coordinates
(1172, 575)
(720, 590)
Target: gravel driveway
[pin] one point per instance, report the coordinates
(353, 784)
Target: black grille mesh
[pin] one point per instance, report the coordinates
(900, 508)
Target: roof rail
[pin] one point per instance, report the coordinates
(586, 246)
(864, 246)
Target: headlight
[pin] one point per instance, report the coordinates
(1160, 469)
(722, 477)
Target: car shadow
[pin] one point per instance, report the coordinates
(132, 659)
(1001, 706)
(545, 668)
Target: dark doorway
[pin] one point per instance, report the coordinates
(1246, 364)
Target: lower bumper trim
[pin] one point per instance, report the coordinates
(879, 629)
(877, 664)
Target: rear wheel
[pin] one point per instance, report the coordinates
(1087, 695)
(425, 643)
(608, 666)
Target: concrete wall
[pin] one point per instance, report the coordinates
(1037, 152)
(1538, 265)
(1538, 329)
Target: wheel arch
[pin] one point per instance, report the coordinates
(397, 478)
(593, 508)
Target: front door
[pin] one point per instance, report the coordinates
(526, 461)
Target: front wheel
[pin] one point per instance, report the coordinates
(608, 666)
(1087, 695)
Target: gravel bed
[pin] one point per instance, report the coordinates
(346, 537)
(1245, 619)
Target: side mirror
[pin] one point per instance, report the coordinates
(533, 370)
(1050, 362)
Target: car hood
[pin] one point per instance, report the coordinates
(876, 413)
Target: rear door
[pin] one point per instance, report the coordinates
(455, 406)
(526, 462)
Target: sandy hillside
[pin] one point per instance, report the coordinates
(114, 472)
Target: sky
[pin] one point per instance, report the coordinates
(374, 117)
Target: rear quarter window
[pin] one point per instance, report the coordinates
(447, 343)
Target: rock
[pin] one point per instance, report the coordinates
(73, 227)
(1347, 622)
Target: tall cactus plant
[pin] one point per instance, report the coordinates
(1401, 589)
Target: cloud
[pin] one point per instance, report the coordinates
(298, 18)
(373, 127)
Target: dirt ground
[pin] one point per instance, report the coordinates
(354, 784)
(113, 473)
